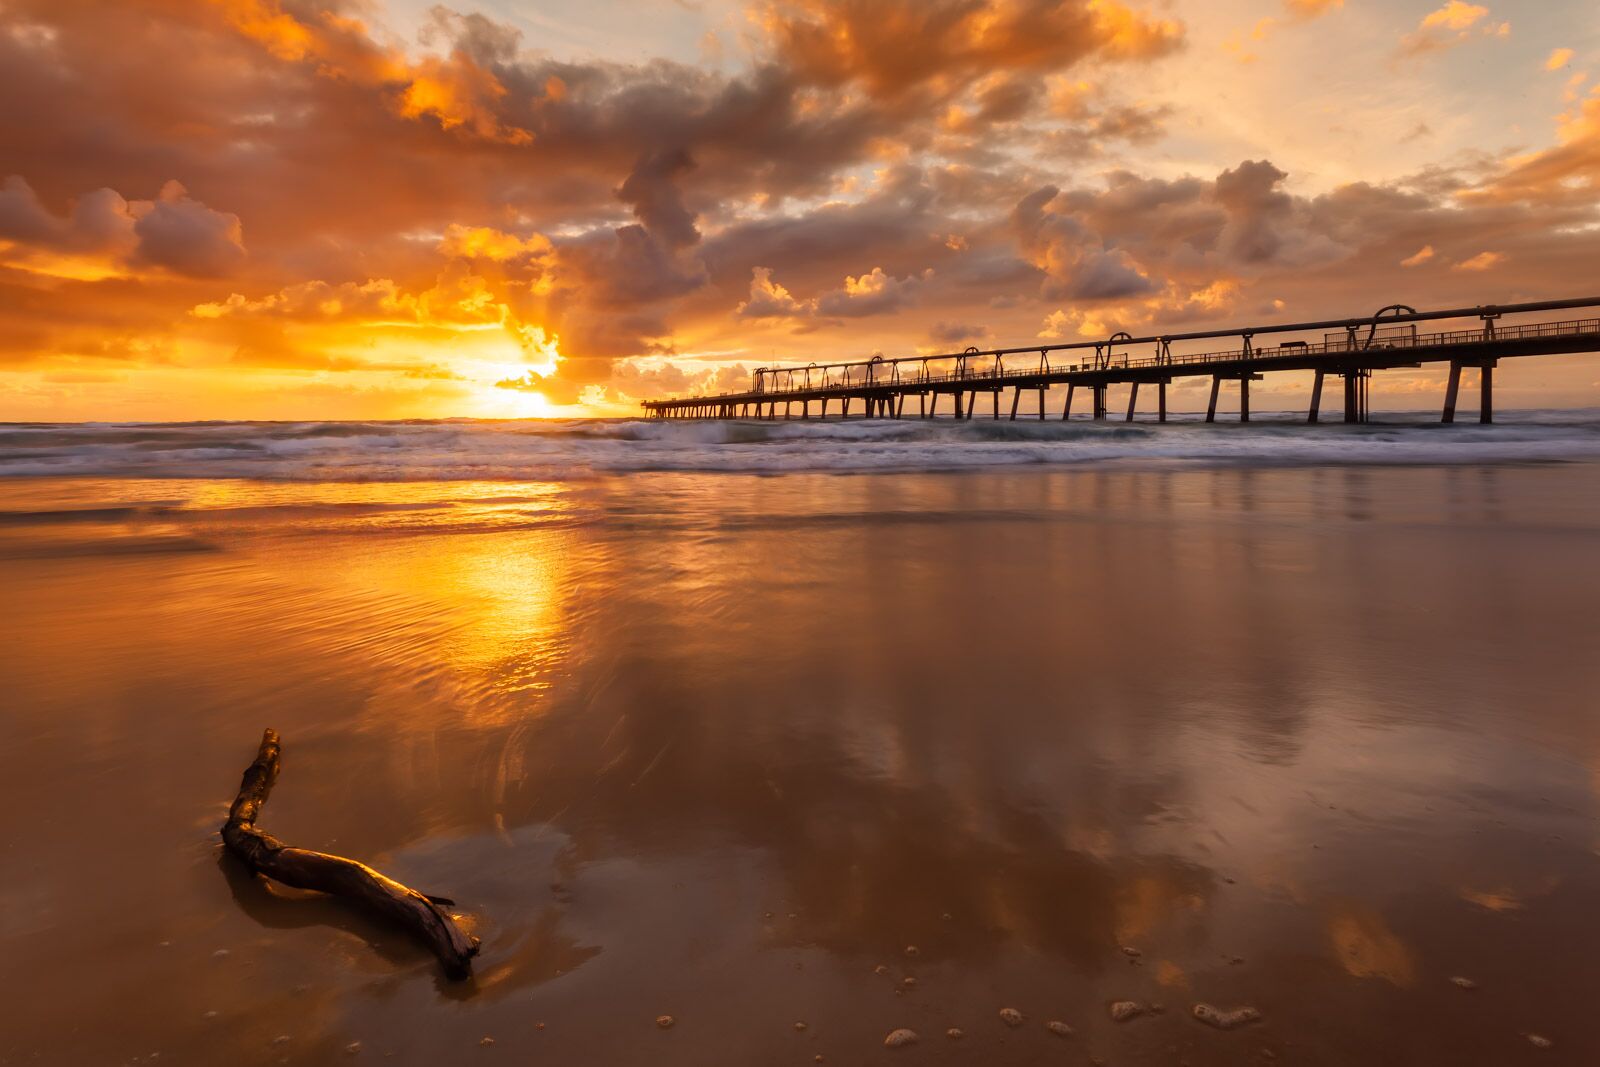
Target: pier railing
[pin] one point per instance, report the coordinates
(790, 380)
(1350, 349)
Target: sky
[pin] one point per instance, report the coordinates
(322, 209)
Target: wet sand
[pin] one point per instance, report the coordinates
(1314, 741)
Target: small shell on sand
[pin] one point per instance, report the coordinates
(799, 1026)
(912, 950)
(1059, 1028)
(1123, 1010)
(1538, 1041)
(1011, 1016)
(486, 1041)
(900, 1038)
(353, 1047)
(1464, 983)
(908, 981)
(955, 1033)
(1129, 950)
(1225, 1020)
(665, 1021)
(880, 969)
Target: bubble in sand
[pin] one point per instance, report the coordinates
(1123, 1010)
(1464, 983)
(1011, 1016)
(900, 1038)
(209, 1015)
(1059, 1028)
(1225, 1020)
(221, 952)
(1539, 1041)
(665, 1021)
(281, 1039)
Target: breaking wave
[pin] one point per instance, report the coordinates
(557, 449)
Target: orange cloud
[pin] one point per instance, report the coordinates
(1310, 9)
(1448, 26)
(454, 90)
(1481, 262)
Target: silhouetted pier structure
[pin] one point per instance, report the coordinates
(1351, 350)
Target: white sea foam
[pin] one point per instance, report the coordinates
(575, 449)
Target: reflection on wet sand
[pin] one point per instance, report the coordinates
(724, 747)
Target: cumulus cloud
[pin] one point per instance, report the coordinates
(872, 293)
(1075, 261)
(1450, 25)
(769, 300)
(172, 232)
(184, 235)
(832, 42)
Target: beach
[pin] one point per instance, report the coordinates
(859, 726)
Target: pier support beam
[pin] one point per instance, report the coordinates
(1452, 389)
(1161, 401)
(1351, 414)
(1211, 406)
(1486, 393)
(1042, 389)
(1066, 408)
(1316, 397)
(1016, 398)
(1244, 399)
(1100, 403)
(1133, 400)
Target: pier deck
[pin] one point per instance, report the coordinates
(1349, 349)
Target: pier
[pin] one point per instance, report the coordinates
(1350, 350)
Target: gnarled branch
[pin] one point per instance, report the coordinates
(264, 854)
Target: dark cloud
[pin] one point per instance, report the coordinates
(874, 162)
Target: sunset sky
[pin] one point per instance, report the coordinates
(369, 209)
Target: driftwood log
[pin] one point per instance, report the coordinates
(423, 915)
